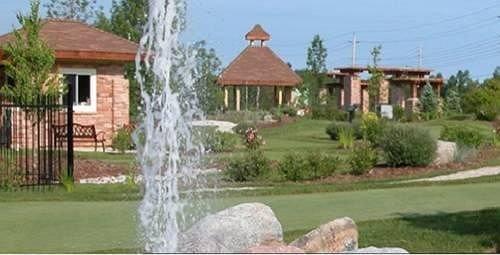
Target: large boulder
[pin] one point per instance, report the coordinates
(445, 152)
(375, 250)
(340, 235)
(273, 247)
(232, 230)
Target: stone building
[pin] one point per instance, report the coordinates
(401, 86)
(92, 62)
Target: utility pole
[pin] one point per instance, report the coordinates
(354, 46)
(420, 56)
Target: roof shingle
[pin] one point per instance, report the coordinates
(258, 66)
(72, 40)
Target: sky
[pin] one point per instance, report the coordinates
(452, 34)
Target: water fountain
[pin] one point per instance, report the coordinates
(167, 153)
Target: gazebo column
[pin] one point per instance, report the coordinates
(238, 99)
(280, 96)
(226, 97)
(412, 102)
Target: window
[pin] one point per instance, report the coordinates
(83, 84)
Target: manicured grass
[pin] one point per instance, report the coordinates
(124, 160)
(61, 226)
(463, 232)
(435, 126)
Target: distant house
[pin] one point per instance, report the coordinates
(257, 68)
(92, 61)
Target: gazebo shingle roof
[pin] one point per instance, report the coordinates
(72, 40)
(258, 66)
(257, 34)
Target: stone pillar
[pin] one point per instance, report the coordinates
(352, 91)
(238, 99)
(341, 97)
(384, 92)
(226, 97)
(413, 101)
(365, 105)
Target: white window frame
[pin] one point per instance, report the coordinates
(92, 108)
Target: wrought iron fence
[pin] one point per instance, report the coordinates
(31, 154)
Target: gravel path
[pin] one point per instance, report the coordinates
(485, 171)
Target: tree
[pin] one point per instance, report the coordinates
(429, 101)
(461, 81)
(496, 73)
(484, 101)
(29, 63)
(376, 78)
(453, 101)
(127, 20)
(79, 10)
(208, 65)
(316, 67)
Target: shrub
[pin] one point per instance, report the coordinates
(462, 135)
(284, 110)
(122, 140)
(242, 127)
(398, 112)
(253, 140)
(217, 141)
(310, 166)
(371, 127)
(484, 101)
(346, 138)
(429, 102)
(333, 130)
(405, 145)
(328, 112)
(362, 158)
(11, 178)
(248, 167)
(241, 116)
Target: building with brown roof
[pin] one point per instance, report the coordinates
(258, 67)
(92, 62)
(401, 86)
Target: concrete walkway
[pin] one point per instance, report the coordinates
(485, 171)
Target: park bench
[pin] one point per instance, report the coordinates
(81, 133)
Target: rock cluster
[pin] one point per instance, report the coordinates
(254, 228)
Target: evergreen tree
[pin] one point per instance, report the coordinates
(316, 67)
(496, 73)
(429, 100)
(79, 10)
(208, 65)
(453, 101)
(29, 62)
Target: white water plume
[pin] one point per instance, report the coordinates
(167, 153)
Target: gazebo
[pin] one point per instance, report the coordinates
(256, 68)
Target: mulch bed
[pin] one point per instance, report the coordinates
(86, 168)
(386, 172)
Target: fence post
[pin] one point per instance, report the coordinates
(70, 131)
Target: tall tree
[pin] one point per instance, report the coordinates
(376, 78)
(208, 65)
(461, 81)
(127, 20)
(316, 67)
(80, 10)
(496, 73)
(429, 101)
(29, 62)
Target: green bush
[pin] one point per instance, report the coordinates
(463, 135)
(247, 168)
(346, 138)
(241, 116)
(309, 166)
(398, 112)
(333, 130)
(484, 101)
(122, 140)
(217, 141)
(11, 178)
(284, 110)
(242, 127)
(329, 112)
(362, 158)
(372, 127)
(405, 145)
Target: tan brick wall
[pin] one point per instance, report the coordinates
(112, 100)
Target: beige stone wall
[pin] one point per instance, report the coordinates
(112, 100)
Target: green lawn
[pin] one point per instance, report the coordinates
(62, 226)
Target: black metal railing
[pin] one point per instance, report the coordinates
(30, 152)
